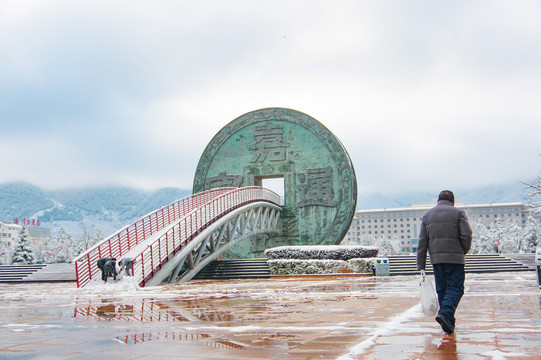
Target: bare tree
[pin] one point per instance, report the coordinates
(84, 239)
(5, 253)
(535, 193)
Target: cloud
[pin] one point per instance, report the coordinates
(420, 94)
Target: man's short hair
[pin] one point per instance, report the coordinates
(447, 195)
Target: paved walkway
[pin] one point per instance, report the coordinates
(316, 318)
(54, 273)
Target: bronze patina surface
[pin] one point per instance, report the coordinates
(319, 179)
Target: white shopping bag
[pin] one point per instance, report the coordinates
(429, 299)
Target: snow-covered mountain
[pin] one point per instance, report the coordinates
(112, 208)
(512, 192)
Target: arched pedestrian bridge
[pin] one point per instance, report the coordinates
(175, 242)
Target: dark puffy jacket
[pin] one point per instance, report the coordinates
(446, 233)
(109, 268)
(102, 261)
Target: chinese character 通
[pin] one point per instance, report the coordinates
(315, 187)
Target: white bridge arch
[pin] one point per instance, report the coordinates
(175, 242)
(252, 219)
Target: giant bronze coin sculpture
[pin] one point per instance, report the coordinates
(320, 187)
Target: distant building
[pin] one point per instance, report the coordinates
(9, 233)
(403, 224)
(38, 234)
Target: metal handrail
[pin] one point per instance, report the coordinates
(184, 219)
(119, 243)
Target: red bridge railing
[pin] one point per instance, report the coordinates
(163, 233)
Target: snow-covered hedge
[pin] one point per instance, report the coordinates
(299, 267)
(361, 266)
(311, 266)
(321, 252)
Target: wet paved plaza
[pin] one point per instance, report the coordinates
(281, 318)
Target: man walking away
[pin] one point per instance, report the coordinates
(446, 234)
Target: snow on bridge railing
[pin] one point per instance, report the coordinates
(168, 244)
(130, 236)
(192, 215)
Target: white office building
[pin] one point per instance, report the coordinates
(403, 224)
(9, 234)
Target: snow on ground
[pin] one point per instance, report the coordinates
(394, 326)
(127, 287)
(500, 355)
(123, 284)
(368, 310)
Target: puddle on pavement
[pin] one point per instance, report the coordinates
(240, 318)
(269, 316)
(268, 319)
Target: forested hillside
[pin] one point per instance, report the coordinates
(111, 208)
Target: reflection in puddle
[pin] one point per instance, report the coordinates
(236, 318)
(177, 336)
(168, 335)
(447, 349)
(260, 341)
(274, 319)
(141, 312)
(250, 340)
(154, 311)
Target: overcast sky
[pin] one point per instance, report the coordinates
(424, 95)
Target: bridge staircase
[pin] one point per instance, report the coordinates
(59, 272)
(476, 263)
(235, 269)
(17, 273)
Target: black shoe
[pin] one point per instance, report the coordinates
(445, 324)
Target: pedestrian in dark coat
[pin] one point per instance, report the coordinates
(107, 271)
(447, 235)
(101, 263)
(110, 268)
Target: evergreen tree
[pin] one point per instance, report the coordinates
(5, 253)
(23, 251)
(388, 247)
(367, 241)
(483, 241)
(510, 236)
(61, 247)
(530, 236)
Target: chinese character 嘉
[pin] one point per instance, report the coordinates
(269, 141)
